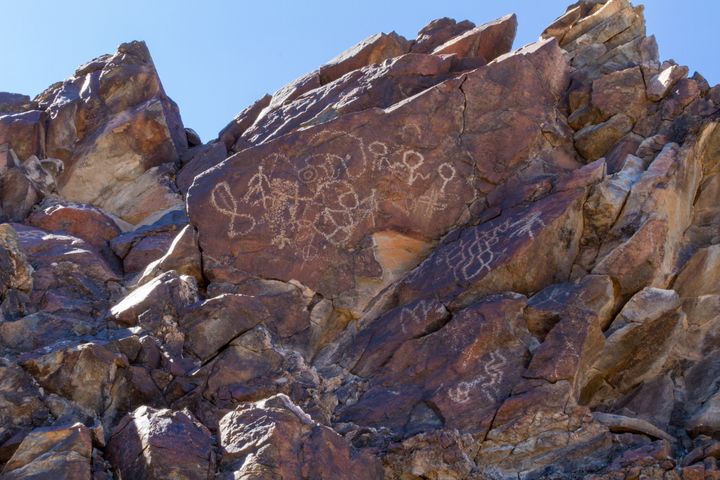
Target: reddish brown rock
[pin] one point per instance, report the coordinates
(487, 41)
(201, 158)
(139, 247)
(275, 438)
(437, 33)
(15, 271)
(80, 220)
(52, 452)
(457, 265)
(661, 84)
(254, 366)
(183, 256)
(21, 406)
(376, 343)
(89, 375)
(340, 202)
(158, 444)
(110, 123)
(486, 346)
(146, 251)
(502, 254)
(620, 92)
(216, 322)
(17, 195)
(372, 50)
(290, 306)
(14, 103)
(594, 141)
(156, 306)
(637, 344)
(642, 247)
(72, 285)
(380, 85)
(242, 121)
(24, 133)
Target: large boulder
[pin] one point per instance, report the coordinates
(274, 438)
(157, 444)
(322, 199)
(110, 123)
(52, 452)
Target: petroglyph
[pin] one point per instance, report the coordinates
(487, 384)
(224, 202)
(447, 172)
(477, 250)
(320, 198)
(418, 313)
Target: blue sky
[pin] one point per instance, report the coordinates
(214, 59)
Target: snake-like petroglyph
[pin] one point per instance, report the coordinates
(324, 197)
(487, 384)
(478, 249)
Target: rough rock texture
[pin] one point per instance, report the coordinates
(427, 259)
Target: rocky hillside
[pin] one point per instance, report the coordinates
(429, 259)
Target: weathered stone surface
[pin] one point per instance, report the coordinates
(701, 274)
(312, 205)
(183, 256)
(15, 271)
(72, 286)
(14, 103)
(200, 158)
(661, 84)
(167, 291)
(52, 452)
(242, 121)
(642, 247)
(380, 85)
(88, 375)
(487, 41)
(502, 254)
(145, 199)
(486, 344)
(24, 133)
(22, 184)
(637, 344)
(156, 444)
(81, 220)
(372, 50)
(594, 141)
(274, 438)
(216, 322)
(431, 259)
(143, 245)
(620, 92)
(110, 123)
(21, 405)
(437, 33)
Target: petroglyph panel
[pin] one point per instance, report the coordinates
(486, 386)
(321, 197)
(487, 252)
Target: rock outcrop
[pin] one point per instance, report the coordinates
(430, 258)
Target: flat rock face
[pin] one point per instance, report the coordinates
(429, 258)
(318, 197)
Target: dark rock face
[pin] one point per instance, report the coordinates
(157, 444)
(427, 259)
